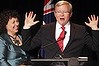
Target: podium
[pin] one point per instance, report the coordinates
(44, 62)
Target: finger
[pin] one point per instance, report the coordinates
(94, 18)
(87, 23)
(31, 14)
(35, 22)
(97, 18)
(34, 16)
(26, 15)
(89, 19)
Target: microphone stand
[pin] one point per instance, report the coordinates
(41, 51)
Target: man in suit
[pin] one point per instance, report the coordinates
(76, 36)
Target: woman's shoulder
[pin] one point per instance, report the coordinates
(2, 41)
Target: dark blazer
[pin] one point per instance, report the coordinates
(45, 38)
(10, 54)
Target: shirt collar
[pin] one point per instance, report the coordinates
(58, 26)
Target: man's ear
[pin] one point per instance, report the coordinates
(71, 14)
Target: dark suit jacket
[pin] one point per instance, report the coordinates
(45, 38)
(10, 54)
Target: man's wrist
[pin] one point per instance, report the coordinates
(95, 28)
(26, 27)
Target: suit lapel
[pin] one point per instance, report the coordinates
(72, 34)
(52, 33)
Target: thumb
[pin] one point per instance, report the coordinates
(87, 23)
(35, 22)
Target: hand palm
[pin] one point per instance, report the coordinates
(93, 21)
(29, 19)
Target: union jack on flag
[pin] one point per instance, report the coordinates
(48, 15)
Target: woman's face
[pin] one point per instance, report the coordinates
(12, 25)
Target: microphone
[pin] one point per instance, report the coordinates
(73, 61)
(57, 64)
(41, 52)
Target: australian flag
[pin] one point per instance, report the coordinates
(48, 15)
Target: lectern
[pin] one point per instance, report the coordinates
(62, 62)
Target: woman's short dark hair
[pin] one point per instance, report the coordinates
(5, 15)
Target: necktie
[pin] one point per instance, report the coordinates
(61, 38)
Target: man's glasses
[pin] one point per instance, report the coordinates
(63, 12)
